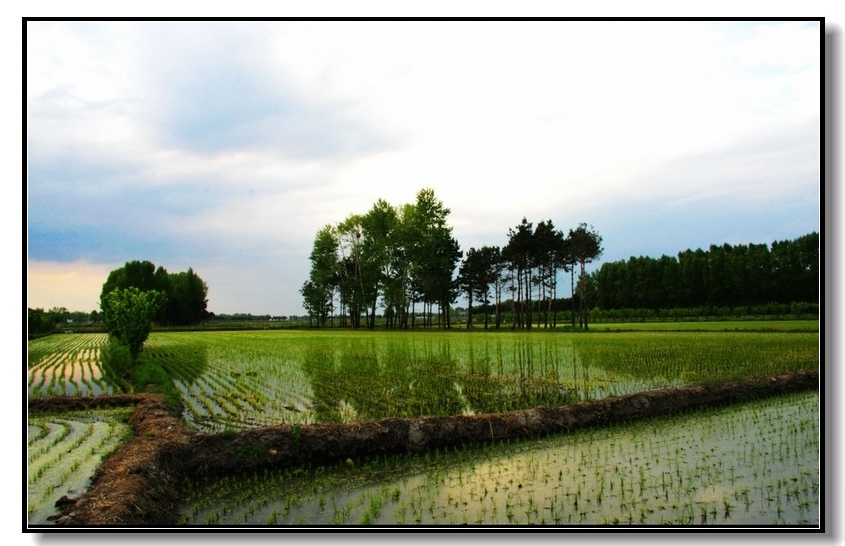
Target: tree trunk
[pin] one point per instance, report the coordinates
(572, 292)
(584, 296)
(469, 310)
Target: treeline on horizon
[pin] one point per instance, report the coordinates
(726, 276)
(393, 258)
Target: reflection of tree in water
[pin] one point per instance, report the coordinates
(186, 361)
(396, 383)
(499, 380)
(400, 379)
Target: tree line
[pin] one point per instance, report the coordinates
(751, 275)
(40, 321)
(402, 256)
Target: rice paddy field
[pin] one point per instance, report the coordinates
(750, 464)
(758, 463)
(63, 450)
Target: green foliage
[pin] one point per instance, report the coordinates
(128, 314)
(478, 272)
(186, 292)
(40, 322)
(401, 255)
(752, 279)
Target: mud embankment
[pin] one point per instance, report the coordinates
(139, 484)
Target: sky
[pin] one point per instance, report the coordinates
(225, 146)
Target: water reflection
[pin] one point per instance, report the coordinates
(366, 378)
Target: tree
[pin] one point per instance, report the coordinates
(489, 270)
(128, 315)
(549, 256)
(39, 322)
(519, 252)
(379, 225)
(395, 255)
(186, 292)
(470, 278)
(434, 254)
(585, 245)
(319, 290)
(353, 293)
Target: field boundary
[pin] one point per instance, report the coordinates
(139, 484)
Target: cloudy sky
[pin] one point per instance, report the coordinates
(225, 146)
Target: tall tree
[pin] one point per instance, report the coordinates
(354, 292)
(377, 247)
(585, 247)
(434, 254)
(477, 274)
(520, 254)
(549, 256)
(318, 292)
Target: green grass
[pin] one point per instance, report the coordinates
(710, 326)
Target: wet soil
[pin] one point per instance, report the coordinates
(139, 484)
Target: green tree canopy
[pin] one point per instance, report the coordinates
(128, 315)
(186, 292)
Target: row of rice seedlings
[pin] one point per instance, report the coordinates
(259, 378)
(43, 373)
(198, 410)
(241, 387)
(67, 365)
(750, 464)
(49, 434)
(268, 378)
(278, 387)
(45, 347)
(62, 460)
(701, 357)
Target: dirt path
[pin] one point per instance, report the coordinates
(139, 484)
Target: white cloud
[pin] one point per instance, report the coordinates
(225, 138)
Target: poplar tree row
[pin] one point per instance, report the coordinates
(401, 257)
